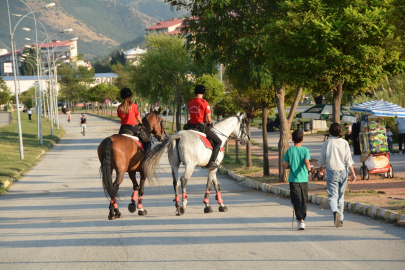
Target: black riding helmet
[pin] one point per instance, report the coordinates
(126, 93)
(199, 89)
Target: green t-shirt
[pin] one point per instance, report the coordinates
(296, 156)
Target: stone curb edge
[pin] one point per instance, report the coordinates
(356, 208)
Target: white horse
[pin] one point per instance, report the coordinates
(187, 147)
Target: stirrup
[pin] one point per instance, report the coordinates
(213, 165)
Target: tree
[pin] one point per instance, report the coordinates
(162, 70)
(4, 92)
(75, 82)
(123, 79)
(214, 89)
(29, 66)
(332, 44)
(118, 57)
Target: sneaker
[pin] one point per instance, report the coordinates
(300, 226)
(337, 219)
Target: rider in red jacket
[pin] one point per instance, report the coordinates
(200, 118)
(131, 121)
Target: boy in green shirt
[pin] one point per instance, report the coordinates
(297, 160)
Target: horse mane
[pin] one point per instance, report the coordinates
(238, 116)
(146, 123)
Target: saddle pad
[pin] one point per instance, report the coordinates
(206, 142)
(136, 140)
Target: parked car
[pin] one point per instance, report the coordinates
(115, 103)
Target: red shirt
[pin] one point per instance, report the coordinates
(130, 118)
(198, 109)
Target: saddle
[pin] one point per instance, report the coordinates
(136, 140)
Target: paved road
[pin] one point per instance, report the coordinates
(55, 217)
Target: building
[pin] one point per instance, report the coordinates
(132, 55)
(61, 50)
(166, 27)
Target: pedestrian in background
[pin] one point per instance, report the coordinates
(400, 125)
(29, 113)
(338, 159)
(297, 160)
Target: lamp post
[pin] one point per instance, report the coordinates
(14, 69)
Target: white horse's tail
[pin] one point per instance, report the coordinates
(153, 157)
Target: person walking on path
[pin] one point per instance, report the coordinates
(297, 160)
(338, 159)
(400, 125)
(83, 123)
(29, 113)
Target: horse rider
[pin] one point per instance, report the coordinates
(131, 121)
(200, 119)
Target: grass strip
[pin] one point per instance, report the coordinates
(11, 166)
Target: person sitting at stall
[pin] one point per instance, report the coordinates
(269, 123)
(348, 134)
(355, 137)
(274, 124)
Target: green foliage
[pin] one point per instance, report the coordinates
(214, 89)
(75, 83)
(4, 92)
(118, 58)
(29, 66)
(227, 106)
(103, 91)
(123, 79)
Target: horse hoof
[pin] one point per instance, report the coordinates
(111, 217)
(182, 210)
(178, 211)
(142, 212)
(118, 215)
(223, 209)
(208, 209)
(131, 208)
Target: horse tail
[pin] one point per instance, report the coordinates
(154, 155)
(106, 169)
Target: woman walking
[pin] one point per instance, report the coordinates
(338, 159)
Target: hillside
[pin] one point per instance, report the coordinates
(99, 24)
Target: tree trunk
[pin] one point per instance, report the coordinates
(226, 147)
(167, 113)
(382, 87)
(388, 84)
(266, 166)
(178, 113)
(174, 119)
(249, 146)
(336, 103)
(318, 99)
(236, 151)
(285, 125)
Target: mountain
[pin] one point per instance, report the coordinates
(99, 24)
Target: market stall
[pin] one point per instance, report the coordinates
(373, 137)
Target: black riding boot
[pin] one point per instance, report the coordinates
(215, 151)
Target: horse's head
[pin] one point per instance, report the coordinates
(156, 124)
(241, 132)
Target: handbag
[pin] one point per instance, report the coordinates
(370, 163)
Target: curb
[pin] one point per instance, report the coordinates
(356, 208)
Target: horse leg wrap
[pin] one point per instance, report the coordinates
(184, 195)
(134, 195)
(114, 202)
(206, 199)
(218, 197)
(140, 199)
(176, 199)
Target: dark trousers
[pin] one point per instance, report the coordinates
(401, 138)
(217, 143)
(299, 198)
(29, 116)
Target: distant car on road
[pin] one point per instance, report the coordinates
(115, 103)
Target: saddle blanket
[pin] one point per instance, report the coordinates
(136, 140)
(206, 142)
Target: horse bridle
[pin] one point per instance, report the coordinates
(159, 119)
(242, 131)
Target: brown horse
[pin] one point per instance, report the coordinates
(122, 154)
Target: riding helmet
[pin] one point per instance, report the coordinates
(199, 89)
(126, 93)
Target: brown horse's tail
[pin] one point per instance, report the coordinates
(110, 189)
(153, 157)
